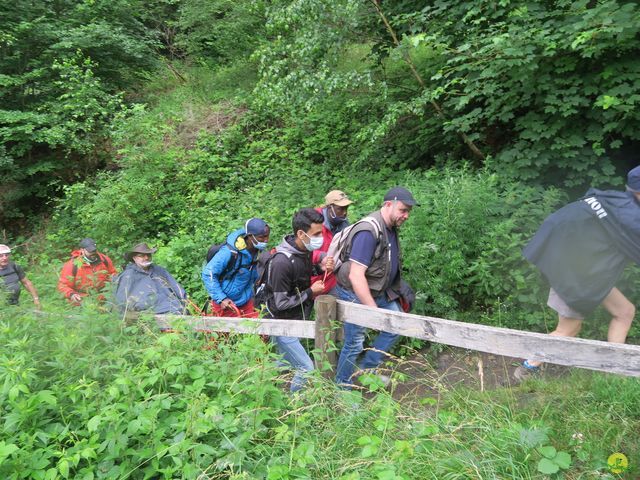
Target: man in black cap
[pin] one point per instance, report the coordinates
(88, 271)
(144, 286)
(368, 272)
(582, 250)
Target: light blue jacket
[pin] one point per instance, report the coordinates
(237, 282)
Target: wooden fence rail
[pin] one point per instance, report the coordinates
(590, 354)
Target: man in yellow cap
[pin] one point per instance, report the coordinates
(334, 211)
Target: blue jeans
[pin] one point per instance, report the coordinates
(295, 355)
(354, 340)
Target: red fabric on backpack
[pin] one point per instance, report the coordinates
(330, 281)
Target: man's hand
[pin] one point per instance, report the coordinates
(36, 302)
(227, 303)
(327, 264)
(317, 287)
(75, 298)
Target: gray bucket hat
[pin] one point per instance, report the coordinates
(139, 248)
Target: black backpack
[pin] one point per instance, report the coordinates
(232, 266)
(262, 291)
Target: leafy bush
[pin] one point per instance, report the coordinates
(62, 66)
(529, 85)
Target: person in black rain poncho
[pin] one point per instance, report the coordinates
(582, 250)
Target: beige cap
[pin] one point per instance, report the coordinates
(4, 249)
(337, 197)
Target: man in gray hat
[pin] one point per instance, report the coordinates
(368, 272)
(13, 277)
(87, 271)
(144, 286)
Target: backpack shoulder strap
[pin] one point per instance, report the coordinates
(12, 266)
(232, 265)
(74, 269)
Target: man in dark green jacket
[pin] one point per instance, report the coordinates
(13, 278)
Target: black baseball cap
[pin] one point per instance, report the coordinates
(89, 244)
(402, 194)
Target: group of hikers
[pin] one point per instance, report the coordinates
(581, 250)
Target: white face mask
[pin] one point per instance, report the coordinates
(314, 243)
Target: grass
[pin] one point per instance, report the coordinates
(86, 396)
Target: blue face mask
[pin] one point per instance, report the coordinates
(259, 245)
(335, 219)
(314, 243)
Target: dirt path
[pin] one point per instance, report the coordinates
(419, 376)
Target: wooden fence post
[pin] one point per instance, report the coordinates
(325, 334)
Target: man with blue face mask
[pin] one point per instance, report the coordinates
(230, 275)
(334, 211)
(289, 289)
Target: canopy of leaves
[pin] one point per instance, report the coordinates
(62, 65)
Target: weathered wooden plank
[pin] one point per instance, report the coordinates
(264, 326)
(576, 352)
(325, 333)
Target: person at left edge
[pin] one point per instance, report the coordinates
(230, 275)
(88, 271)
(13, 277)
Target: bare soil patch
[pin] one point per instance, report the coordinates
(420, 375)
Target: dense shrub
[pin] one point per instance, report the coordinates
(461, 248)
(546, 91)
(88, 397)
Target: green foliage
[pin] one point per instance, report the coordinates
(221, 31)
(529, 84)
(87, 398)
(62, 64)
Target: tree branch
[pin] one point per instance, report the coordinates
(407, 58)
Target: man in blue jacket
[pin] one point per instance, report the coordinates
(230, 275)
(582, 250)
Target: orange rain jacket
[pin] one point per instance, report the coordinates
(78, 276)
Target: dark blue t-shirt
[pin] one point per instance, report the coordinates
(364, 245)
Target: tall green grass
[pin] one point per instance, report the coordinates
(85, 395)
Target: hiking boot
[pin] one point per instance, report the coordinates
(525, 371)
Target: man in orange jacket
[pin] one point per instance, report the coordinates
(86, 272)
